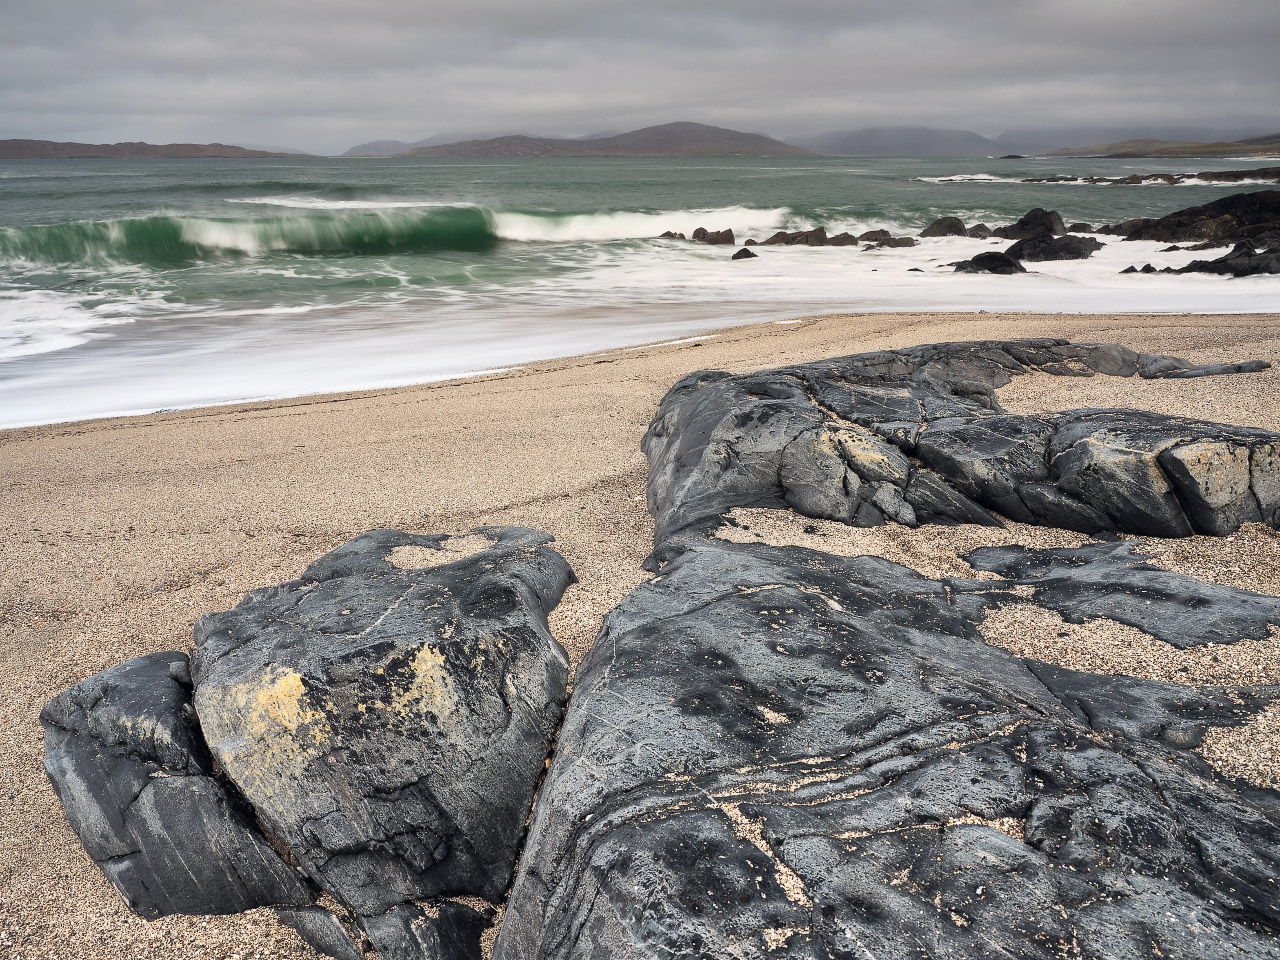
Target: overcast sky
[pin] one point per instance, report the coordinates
(322, 75)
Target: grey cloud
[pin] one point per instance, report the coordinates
(323, 74)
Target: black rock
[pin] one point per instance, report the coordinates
(453, 933)
(389, 725)
(1114, 581)
(897, 242)
(991, 262)
(1080, 228)
(842, 240)
(670, 235)
(777, 752)
(945, 227)
(979, 231)
(744, 254)
(875, 236)
(1242, 216)
(138, 788)
(1046, 247)
(918, 436)
(1033, 224)
(1125, 227)
(1242, 261)
(703, 235)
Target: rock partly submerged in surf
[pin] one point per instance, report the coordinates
(918, 436)
(373, 730)
(992, 261)
(744, 254)
(1033, 223)
(1251, 216)
(1046, 247)
(945, 227)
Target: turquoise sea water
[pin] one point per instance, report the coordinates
(128, 286)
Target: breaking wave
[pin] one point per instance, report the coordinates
(174, 240)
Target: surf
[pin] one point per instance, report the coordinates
(174, 240)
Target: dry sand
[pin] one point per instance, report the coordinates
(117, 534)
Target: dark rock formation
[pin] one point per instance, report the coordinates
(1033, 224)
(385, 726)
(1242, 216)
(671, 235)
(990, 262)
(126, 759)
(842, 240)
(875, 236)
(817, 237)
(777, 752)
(744, 254)
(979, 231)
(945, 227)
(1242, 261)
(1114, 581)
(898, 242)
(918, 436)
(389, 725)
(1124, 227)
(1046, 247)
(1080, 228)
(703, 235)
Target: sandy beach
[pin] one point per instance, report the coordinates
(118, 533)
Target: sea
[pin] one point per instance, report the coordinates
(131, 286)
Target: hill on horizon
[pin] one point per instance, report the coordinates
(52, 150)
(914, 142)
(1255, 146)
(680, 139)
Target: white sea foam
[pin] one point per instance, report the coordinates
(626, 225)
(44, 321)
(970, 178)
(320, 203)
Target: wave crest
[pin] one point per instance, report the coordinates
(173, 240)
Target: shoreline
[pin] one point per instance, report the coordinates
(695, 333)
(119, 532)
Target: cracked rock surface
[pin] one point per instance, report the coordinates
(778, 752)
(918, 436)
(137, 784)
(383, 725)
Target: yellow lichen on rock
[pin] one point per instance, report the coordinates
(430, 689)
(265, 735)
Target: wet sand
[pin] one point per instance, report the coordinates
(118, 533)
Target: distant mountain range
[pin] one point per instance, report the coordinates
(1268, 146)
(666, 140)
(49, 150)
(915, 142)
(391, 148)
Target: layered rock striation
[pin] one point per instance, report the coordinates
(774, 752)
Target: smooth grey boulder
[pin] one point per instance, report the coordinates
(138, 787)
(830, 439)
(389, 725)
(777, 752)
